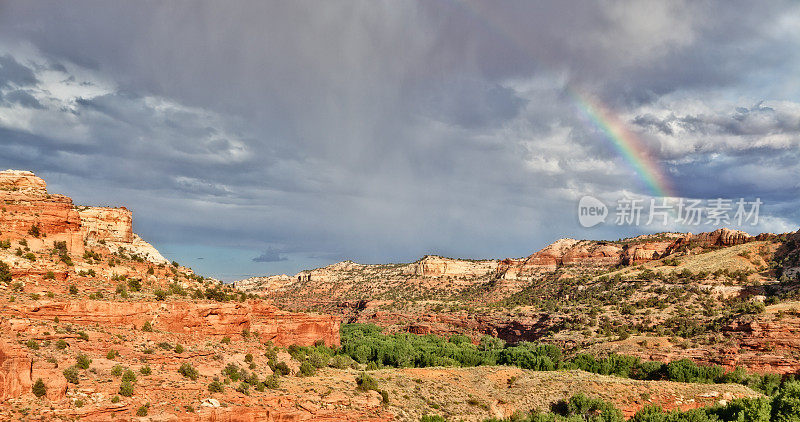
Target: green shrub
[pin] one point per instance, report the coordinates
(281, 368)
(129, 376)
(179, 349)
(366, 382)
(5, 272)
(145, 370)
(83, 336)
(115, 399)
(160, 294)
(272, 382)
(307, 369)
(226, 340)
(135, 285)
(147, 327)
(586, 407)
(82, 361)
(32, 344)
(61, 344)
(39, 389)
(248, 357)
(786, 406)
(685, 370)
(231, 371)
(318, 360)
(750, 410)
(143, 409)
(188, 371)
(126, 389)
(341, 362)
(243, 388)
(215, 387)
(117, 370)
(73, 289)
(71, 374)
(111, 354)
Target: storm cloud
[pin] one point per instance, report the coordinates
(303, 132)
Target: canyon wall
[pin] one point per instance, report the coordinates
(437, 266)
(196, 319)
(29, 212)
(592, 253)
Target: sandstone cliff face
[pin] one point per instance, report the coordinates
(27, 204)
(723, 237)
(18, 180)
(269, 283)
(563, 252)
(15, 371)
(106, 224)
(719, 237)
(590, 253)
(437, 266)
(196, 319)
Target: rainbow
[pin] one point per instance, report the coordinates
(625, 142)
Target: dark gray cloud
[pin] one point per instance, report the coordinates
(270, 255)
(380, 131)
(12, 73)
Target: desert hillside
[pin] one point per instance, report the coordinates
(723, 297)
(96, 325)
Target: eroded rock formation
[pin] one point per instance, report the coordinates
(198, 319)
(15, 371)
(437, 266)
(43, 219)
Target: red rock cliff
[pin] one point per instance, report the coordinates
(200, 319)
(28, 207)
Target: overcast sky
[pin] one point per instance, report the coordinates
(265, 137)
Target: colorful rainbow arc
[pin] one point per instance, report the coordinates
(625, 142)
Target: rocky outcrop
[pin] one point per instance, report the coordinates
(723, 237)
(788, 256)
(437, 266)
(15, 371)
(30, 212)
(196, 319)
(509, 327)
(764, 344)
(106, 224)
(564, 252)
(635, 251)
(264, 284)
(718, 238)
(19, 180)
